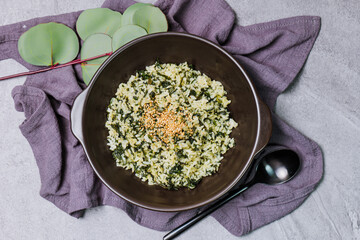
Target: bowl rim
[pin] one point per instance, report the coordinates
(86, 92)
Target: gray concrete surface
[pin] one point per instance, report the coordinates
(323, 103)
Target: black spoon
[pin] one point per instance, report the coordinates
(275, 168)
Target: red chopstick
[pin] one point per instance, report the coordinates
(55, 66)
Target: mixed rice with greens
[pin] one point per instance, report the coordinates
(169, 125)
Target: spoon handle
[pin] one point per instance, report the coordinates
(183, 227)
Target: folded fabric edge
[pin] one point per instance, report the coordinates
(239, 229)
(18, 93)
(290, 209)
(312, 36)
(288, 21)
(295, 62)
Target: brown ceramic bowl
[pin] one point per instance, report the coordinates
(88, 118)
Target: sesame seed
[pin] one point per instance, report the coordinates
(166, 123)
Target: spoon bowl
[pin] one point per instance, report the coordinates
(277, 167)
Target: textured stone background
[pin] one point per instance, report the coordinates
(323, 103)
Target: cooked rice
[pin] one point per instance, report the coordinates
(169, 124)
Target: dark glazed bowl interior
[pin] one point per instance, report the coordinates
(170, 48)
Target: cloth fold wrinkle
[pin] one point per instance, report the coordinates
(39, 114)
(272, 54)
(216, 23)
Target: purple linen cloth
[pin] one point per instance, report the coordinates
(272, 53)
